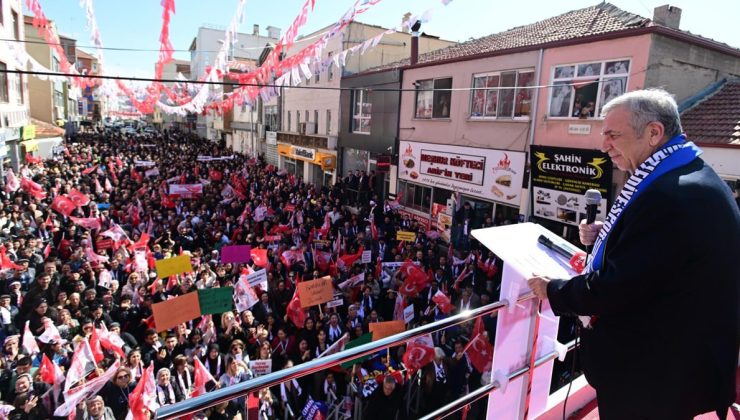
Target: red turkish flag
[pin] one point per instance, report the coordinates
(202, 377)
(143, 242)
(416, 279)
(345, 261)
(322, 259)
(259, 257)
(86, 222)
(63, 205)
(90, 170)
(295, 313)
(33, 188)
(95, 346)
(418, 354)
(5, 262)
(80, 199)
(443, 302)
(481, 355)
(46, 370)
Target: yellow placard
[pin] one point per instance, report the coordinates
(386, 329)
(171, 266)
(405, 236)
(173, 312)
(315, 292)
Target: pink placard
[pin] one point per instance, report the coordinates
(236, 254)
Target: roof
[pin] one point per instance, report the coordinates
(45, 130)
(594, 20)
(716, 119)
(85, 55)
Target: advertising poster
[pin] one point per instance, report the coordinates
(490, 174)
(561, 177)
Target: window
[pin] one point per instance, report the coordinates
(298, 121)
(4, 83)
(502, 95)
(316, 118)
(95, 67)
(431, 103)
(16, 25)
(415, 196)
(581, 90)
(331, 68)
(307, 120)
(271, 118)
(328, 122)
(288, 114)
(361, 111)
(317, 69)
(17, 87)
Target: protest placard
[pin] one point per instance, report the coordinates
(171, 266)
(408, 313)
(367, 256)
(363, 339)
(260, 367)
(216, 300)
(405, 236)
(386, 329)
(172, 312)
(258, 279)
(315, 292)
(334, 303)
(236, 254)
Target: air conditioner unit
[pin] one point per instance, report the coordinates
(310, 128)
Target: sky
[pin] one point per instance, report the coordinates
(136, 24)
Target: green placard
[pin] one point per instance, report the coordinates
(363, 339)
(216, 300)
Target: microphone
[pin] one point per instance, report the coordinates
(593, 200)
(544, 240)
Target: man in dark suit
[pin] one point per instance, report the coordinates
(662, 287)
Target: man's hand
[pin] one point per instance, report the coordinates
(587, 233)
(538, 285)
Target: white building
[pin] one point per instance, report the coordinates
(14, 112)
(203, 51)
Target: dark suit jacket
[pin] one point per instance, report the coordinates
(667, 337)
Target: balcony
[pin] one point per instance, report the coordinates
(311, 141)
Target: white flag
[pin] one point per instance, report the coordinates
(83, 362)
(29, 341)
(76, 395)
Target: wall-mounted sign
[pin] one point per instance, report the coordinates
(560, 178)
(485, 173)
(579, 129)
(271, 137)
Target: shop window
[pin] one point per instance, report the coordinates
(414, 196)
(441, 196)
(328, 122)
(581, 90)
(431, 102)
(361, 111)
(502, 94)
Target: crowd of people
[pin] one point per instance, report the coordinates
(81, 236)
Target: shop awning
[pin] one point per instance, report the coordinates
(30, 145)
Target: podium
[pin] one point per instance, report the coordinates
(524, 324)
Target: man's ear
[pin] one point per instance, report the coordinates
(655, 132)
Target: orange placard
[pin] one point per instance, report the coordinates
(315, 292)
(386, 329)
(173, 312)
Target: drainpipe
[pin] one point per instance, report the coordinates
(532, 125)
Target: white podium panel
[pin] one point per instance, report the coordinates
(523, 257)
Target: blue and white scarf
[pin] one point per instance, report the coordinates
(676, 153)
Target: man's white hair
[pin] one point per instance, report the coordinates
(647, 106)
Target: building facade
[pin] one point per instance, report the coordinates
(14, 97)
(310, 121)
(203, 51)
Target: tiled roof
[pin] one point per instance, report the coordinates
(716, 120)
(600, 19)
(45, 130)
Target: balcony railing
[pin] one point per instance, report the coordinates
(218, 396)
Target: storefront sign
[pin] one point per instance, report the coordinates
(28, 132)
(484, 173)
(560, 178)
(302, 152)
(271, 137)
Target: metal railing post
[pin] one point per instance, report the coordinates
(535, 332)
